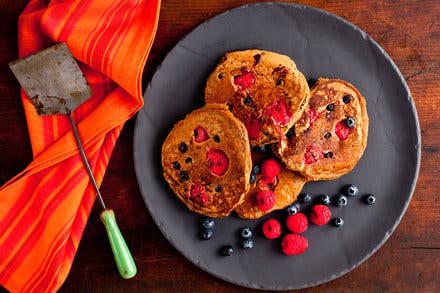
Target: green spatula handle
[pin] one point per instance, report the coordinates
(124, 260)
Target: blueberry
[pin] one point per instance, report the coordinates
(340, 200)
(351, 190)
(208, 223)
(226, 250)
(337, 222)
(370, 199)
(206, 234)
(218, 188)
(188, 160)
(330, 107)
(246, 232)
(176, 165)
(290, 132)
(257, 58)
(291, 210)
(248, 100)
(304, 198)
(183, 147)
(346, 99)
(184, 176)
(216, 138)
(328, 155)
(220, 76)
(350, 122)
(256, 169)
(247, 243)
(324, 199)
(279, 82)
(297, 205)
(327, 135)
(261, 149)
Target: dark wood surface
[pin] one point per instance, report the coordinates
(408, 262)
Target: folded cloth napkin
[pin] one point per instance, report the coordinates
(45, 208)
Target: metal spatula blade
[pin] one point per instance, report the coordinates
(55, 84)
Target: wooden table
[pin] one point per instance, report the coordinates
(408, 262)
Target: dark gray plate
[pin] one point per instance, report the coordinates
(321, 44)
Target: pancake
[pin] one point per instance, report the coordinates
(201, 163)
(265, 90)
(286, 187)
(331, 135)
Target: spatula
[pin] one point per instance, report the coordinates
(55, 84)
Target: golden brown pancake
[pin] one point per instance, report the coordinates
(265, 90)
(324, 143)
(206, 160)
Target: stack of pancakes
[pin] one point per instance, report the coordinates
(260, 99)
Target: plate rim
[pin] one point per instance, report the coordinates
(410, 99)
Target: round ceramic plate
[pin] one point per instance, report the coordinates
(322, 45)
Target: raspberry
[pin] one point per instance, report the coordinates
(320, 214)
(297, 223)
(253, 127)
(218, 162)
(200, 134)
(342, 130)
(312, 154)
(198, 194)
(313, 115)
(270, 168)
(279, 112)
(265, 200)
(245, 80)
(294, 244)
(272, 229)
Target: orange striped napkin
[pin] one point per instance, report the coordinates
(45, 208)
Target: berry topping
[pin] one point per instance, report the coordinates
(246, 232)
(200, 134)
(297, 223)
(184, 176)
(313, 115)
(183, 147)
(208, 223)
(370, 199)
(327, 135)
(340, 200)
(257, 58)
(218, 188)
(206, 234)
(328, 155)
(256, 169)
(226, 250)
(176, 165)
(270, 168)
(253, 127)
(324, 199)
(272, 229)
(290, 132)
(351, 190)
(253, 178)
(198, 194)
(245, 80)
(267, 182)
(218, 162)
(350, 122)
(265, 200)
(216, 138)
(248, 100)
(320, 214)
(342, 130)
(337, 222)
(291, 210)
(261, 149)
(279, 113)
(330, 107)
(304, 198)
(312, 154)
(188, 160)
(294, 244)
(297, 205)
(346, 99)
(247, 244)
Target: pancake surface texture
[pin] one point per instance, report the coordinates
(331, 135)
(265, 90)
(206, 160)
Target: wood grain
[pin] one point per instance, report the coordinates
(409, 261)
